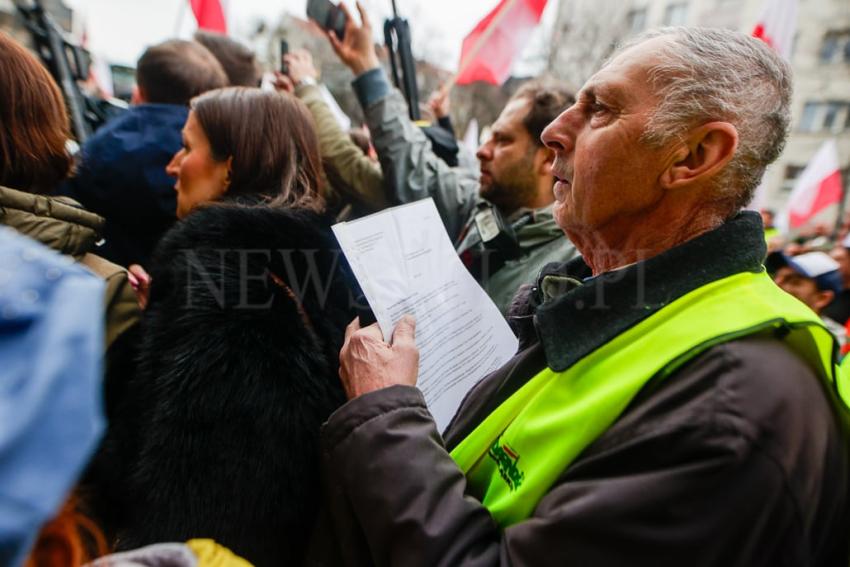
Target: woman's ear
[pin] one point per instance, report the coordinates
(704, 152)
(228, 174)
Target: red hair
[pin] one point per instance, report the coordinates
(71, 539)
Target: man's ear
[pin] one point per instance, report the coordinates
(701, 156)
(138, 96)
(822, 299)
(543, 160)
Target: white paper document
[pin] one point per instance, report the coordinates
(405, 263)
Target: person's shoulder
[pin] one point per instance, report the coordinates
(760, 391)
(233, 226)
(141, 131)
(755, 390)
(762, 379)
(155, 108)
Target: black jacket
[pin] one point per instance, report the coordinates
(121, 176)
(237, 371)
(739, 458)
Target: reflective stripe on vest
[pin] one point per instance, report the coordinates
(515, 455)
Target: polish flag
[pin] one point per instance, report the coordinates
(210, 15)
(489, 50)
(777, 25)
(817, 189)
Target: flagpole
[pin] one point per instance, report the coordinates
(482, 39)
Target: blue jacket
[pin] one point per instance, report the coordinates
(51, 415)
(121, 177)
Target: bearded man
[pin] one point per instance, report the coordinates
(499, 218)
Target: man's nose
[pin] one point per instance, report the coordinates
(485, 151)
(559, 135)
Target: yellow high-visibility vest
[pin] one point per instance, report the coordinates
(518, 452)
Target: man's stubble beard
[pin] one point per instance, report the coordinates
(515, 189)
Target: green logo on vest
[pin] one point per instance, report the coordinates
(506, 460)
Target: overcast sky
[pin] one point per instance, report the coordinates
(119, 30)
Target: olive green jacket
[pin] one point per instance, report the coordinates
(63, 225)
(352, 175)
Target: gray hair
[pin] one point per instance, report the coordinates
(716, 74)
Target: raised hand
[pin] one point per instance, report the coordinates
(439, 102)
(356, 49)
(300, 65)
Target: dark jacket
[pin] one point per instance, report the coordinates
(120, 175)
(739, 458)
(237, 371)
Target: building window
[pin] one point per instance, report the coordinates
(810, 114)
(676, 14)
(831, 116)
(637, 20)
(792, 172)
(835, 47)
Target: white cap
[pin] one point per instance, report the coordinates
(813, 264)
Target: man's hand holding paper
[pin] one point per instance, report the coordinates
(367, 363)
(406, 265)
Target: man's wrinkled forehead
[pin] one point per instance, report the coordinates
(628, 69)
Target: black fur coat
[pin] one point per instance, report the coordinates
(237, 372)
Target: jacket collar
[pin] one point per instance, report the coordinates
(59, 223)
(541, 230)
(578, 315)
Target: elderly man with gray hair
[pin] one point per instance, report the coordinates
(673, 407)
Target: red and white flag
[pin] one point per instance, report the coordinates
(210, 15)
(777, 25)
(817, 192)
(490, 49)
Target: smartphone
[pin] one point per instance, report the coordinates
(328, 15)
(284, 49)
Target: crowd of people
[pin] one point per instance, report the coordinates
(189, 377)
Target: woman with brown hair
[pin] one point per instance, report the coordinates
(246, 314)
(34, 131)
(246, 143)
